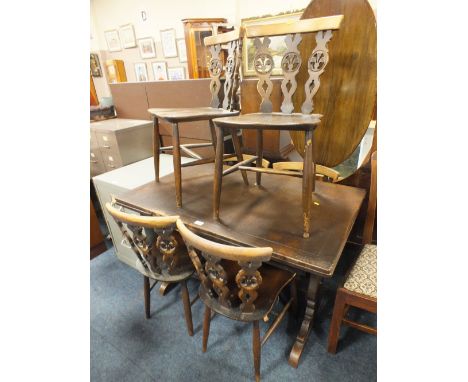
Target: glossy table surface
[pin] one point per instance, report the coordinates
(270, 215)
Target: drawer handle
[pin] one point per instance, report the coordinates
(111, 165)
(94, 161)
(106, 147)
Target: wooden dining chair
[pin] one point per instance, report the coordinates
(266, 119)
(236, 283)
(160, 251)
(228, 107)
(360, 286)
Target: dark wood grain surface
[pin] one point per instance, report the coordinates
(348, 87)
(267, 216)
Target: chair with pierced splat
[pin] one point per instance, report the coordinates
(160, 251)
(238, 284)
(266, 119)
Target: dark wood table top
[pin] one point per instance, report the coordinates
(269, 216)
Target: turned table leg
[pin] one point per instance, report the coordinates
(218, 177)
(306, 326)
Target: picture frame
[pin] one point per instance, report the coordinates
(95, 66)
(159, 70)
(141, 74)
(113, 40)
(177, 73)
(168, 42)
(127, 36)
(147, 48)
(277, 44)
(182, 49)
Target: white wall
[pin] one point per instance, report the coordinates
(110, 14)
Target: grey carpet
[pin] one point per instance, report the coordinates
(127, 347)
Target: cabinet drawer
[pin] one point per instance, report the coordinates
(96, 163)
(106, 141)
(111, 161)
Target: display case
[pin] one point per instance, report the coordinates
(115, 71)
(197, 54)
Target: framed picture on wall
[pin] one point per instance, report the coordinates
(127, 36)
(168, 42)
(95, 66)
(277, 44)
(113, 40)
(176, 73)
(182, 50)
(159, 70)
(140, 72)
(147, 49)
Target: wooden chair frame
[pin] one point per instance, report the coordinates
(229, 107)
(248, 279)
(164, 245)
(346, 298)
(286, 120)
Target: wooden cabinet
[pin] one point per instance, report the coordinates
(197, 54)
(116, 71)
(118, 142)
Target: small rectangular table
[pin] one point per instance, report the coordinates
(265, 216)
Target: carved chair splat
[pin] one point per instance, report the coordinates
(236, 283)
(160, 251)
(360, 286)
(266, 119)
(229, 107)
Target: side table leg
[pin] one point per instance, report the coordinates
(156, 147)
(303, 335)
(218, 176)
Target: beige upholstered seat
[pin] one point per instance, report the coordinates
(363, 276)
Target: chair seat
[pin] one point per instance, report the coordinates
(187, 114)
(363, 276)
(270, 121)
(273, 282)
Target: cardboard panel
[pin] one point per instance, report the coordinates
(130, 100)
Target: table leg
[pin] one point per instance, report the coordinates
(308, 182)
(176, 161)
(156, 147)
(306, 326)
(218, 177)
(260, 155)
(238, 150)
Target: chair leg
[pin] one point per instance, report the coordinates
(218, 178)
(206, 328)
(238, 150)
(176, 161)
(260, 156)
(156, 147)
(308, 182)
(256, 349)
(337, 318)
(146, 293)
(213, 135)
(187, 308)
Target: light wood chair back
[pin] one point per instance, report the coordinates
(232, 290)
(158, 247)
(291, 61)
(233, 40)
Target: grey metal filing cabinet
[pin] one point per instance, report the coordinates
(121, 180)
(117, 142)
